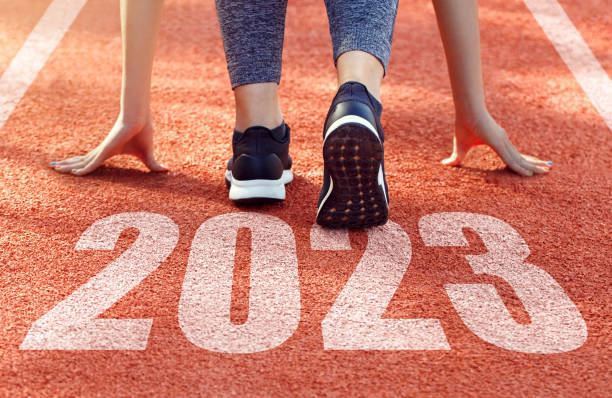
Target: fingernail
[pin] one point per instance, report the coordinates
(549, 163)
(53, 163)
(74, 170)
(530, 173)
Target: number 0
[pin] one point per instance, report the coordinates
(274, 302)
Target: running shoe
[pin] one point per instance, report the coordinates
(261, 166)
(355, 192)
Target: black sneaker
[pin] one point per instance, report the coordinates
(355, 192)
(261, 165)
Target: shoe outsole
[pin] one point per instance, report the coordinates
(353, 158)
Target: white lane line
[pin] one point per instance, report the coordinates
(575, 53)
(34, 53)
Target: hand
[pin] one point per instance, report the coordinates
(487, 132)
(124, 138)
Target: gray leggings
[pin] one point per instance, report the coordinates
(253, 32)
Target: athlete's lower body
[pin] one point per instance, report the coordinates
(361, 36)
(354, 192)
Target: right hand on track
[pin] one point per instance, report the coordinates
(124, 138)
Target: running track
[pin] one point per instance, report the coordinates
(319, 315)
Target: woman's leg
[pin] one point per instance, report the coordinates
(458, 24)
(257, 105)
(362, 67)
(133, 131)
(361, 32)
(354, 192)
(253, 34)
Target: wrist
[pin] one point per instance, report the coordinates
(472, 116)
(133, 119)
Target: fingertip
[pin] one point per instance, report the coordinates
(153, 165)
(519, 170)
(79, 172)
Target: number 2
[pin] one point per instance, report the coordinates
(72, 324)
(354, 321)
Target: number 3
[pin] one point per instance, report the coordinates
(556, 324)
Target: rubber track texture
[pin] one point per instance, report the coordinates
(353, 156)
(564, 217)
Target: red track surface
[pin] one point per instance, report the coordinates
(564, 217)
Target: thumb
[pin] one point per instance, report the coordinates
(460, 149)
(152, 163)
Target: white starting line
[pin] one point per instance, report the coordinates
(548, 13)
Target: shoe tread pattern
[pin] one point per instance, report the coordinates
(353, 156)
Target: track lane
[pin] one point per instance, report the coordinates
(576, 54)
(593, 20)
(23, 69)
(17, 20)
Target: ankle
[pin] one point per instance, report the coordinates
(361, 67)
(268, 121)
(372, 86)
(257, 105)
(277, 131)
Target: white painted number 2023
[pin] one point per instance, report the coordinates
(355, 320)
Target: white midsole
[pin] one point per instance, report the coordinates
(350, 119)
(250, 189)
